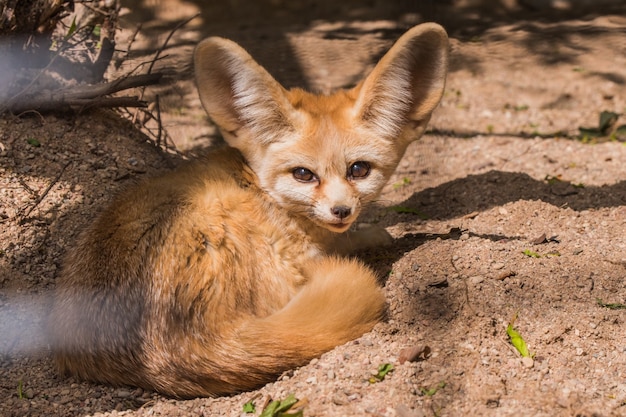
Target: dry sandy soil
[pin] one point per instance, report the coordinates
(499, 210)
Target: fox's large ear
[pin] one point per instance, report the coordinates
(407, 84)
(237, 93)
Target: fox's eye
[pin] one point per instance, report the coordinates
(304, 175)
(359, 169)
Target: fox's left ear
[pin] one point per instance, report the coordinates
(406, 85)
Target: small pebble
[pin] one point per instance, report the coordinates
(505, 274)
(122, 393)
(464, 236)
(340, 399)
(497, 265)
(65, 399)
(539, 239)
(528, 362)
(366, 342)
(477, 279)
(563, 400)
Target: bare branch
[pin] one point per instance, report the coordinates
(85, 96)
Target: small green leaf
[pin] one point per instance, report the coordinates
(270, 410)
(432, 391)
(611, 306)
(516, 339)
(20, 390)
(72, 29)
(607, 121)
(383, 370)
(531, 254)
(249, 407)
(550, 179)
(287, 403)
(405, 181)
(279, 408)
(96, 31)
(587, 134)
(33, 142)
(620, 133)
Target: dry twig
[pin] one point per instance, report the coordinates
(83, 97)
(43, 195)
(161, 49)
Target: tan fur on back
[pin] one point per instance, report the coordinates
(219, 276)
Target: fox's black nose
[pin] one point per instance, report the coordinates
(341, 211)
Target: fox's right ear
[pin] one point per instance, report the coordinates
(237, 93)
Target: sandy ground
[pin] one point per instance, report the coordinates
(499, 210)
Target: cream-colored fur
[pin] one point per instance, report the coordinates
(219, 276)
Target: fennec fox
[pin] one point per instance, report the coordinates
(217, 277)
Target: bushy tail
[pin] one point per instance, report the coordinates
(341, 301)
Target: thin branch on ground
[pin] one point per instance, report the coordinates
(132, 39)
(88, 96)
(43, 195)
(159, 122)
(160, 138)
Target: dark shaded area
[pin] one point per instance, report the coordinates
(476, 193)
(47, 45)
(26, 28)
(31, 16)
(262, 28)
(435, 302)
(495, 188)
